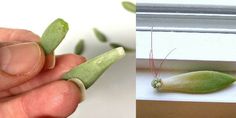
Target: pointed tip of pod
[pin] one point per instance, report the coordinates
(91, 70)
(120, 51)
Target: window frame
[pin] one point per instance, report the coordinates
(188, 19)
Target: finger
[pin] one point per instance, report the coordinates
(19, 63)
(58, 99)
(64, 64)
(18, 59)
(7, 34)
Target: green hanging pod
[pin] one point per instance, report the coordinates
(195, 82)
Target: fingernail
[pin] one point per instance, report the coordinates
(19, 58)
(81, 86)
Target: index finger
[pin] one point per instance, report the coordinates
(7, 34)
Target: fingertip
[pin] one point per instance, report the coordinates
(57, 99)
(76, 59)
(82, 58)
(63, 64)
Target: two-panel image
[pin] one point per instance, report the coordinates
(118, 59)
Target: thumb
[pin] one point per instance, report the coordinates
(57, 99)
(19, 62)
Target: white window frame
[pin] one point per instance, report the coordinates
(182, 18)
(186, 19)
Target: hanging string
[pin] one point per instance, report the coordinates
(154, 70)
(151, 60)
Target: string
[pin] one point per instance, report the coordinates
(153, 69)
(151, 61)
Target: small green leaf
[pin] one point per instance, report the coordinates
(100, 36)
(115, 45)
(53, 35)
(79, 49)
(129, 6)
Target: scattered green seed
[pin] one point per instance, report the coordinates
(195, 82)
(79, 49)
(92, 69)
(129, 6)
(53, 35)
(100, 36)
(115, 45)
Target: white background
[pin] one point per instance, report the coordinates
(113, 96)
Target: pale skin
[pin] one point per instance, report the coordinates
(33, 93)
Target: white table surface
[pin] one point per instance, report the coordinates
(113, 96)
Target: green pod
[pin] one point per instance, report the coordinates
(195, 82)
(53, 35)
(51, 38)
(92, 69)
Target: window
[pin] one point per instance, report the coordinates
(204, 36)
(199, 2)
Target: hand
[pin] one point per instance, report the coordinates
(25, 92)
